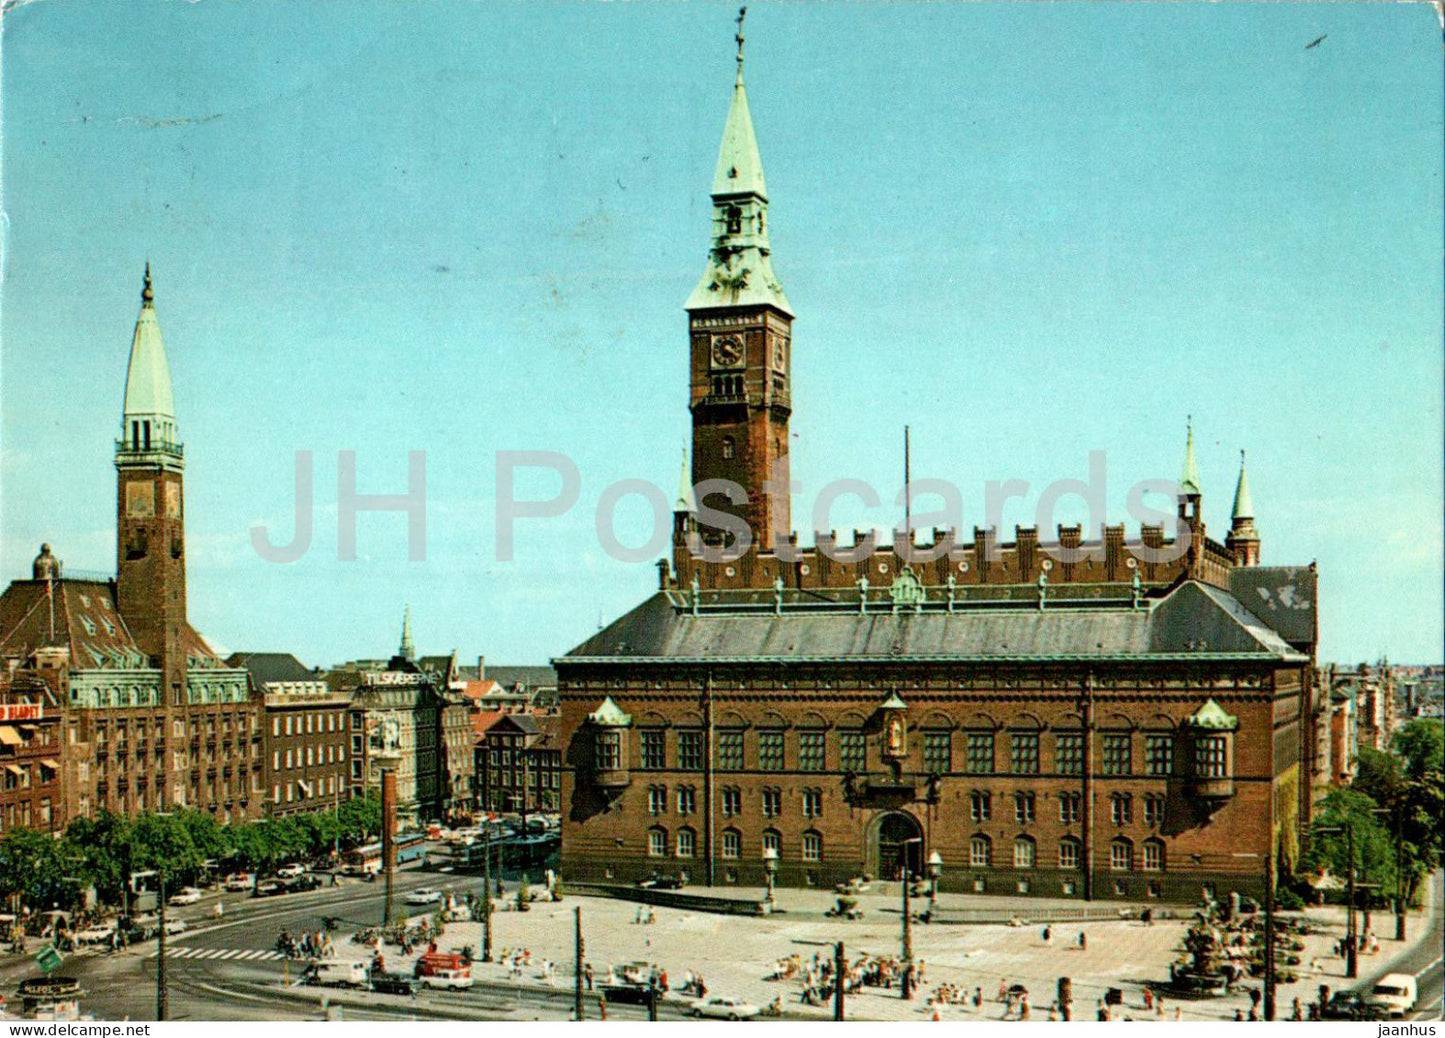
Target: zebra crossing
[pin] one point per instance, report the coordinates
(217, 954)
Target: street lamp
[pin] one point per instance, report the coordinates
(770, 870)
(1268, 931)
(905, 988)
(935, 870)
(1352, 967)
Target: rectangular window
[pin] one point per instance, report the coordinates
(1121, 808)
(730, 751)
(288, 724)
(980, 852)
(1070, 805)
(1023, 807)
(1024, 753)
(1209, 757)
(656, 843)
(276, 726)
(852, 751)
(1023, 853)
(686, 800)
(1117, 755)
(812, 847)
(657, 800)
(772, 803)
(654, 749)
(609, 751)
(1121, 856)
(812, 803)
(770, 751)
(1069, 854)
(732, 803)
(1153, 856)
(686, 843)
(689, 750)
(980, 806)
(1069, 754)
(938, 752)
(1153, 810)
(980, 753)
(732, 843)
(1159, 755)
(811, 753)
(773, 841)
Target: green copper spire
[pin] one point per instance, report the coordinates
(685, 501)
(1243, 506)
(407, 650)
(739, 270)
(1189, 478)
(148, 416)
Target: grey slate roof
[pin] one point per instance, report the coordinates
(1192, 621)
(1282, 596)
(532, 677)
(266, 667)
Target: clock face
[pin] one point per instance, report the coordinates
(727, 352)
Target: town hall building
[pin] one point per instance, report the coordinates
(1123, 722)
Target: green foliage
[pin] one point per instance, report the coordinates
(1328, 848)
(1286, 900)
(33, 866)
(1420, 745)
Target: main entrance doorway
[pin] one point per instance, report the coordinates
(900, 842)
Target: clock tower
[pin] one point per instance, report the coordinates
(740, 327)
(150, 521)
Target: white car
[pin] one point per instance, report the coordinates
(1395, 993)
(174, 926)
(424, 896)
(725, 1008)
(184, 896)
(95, 934)
(445, 978)
(291, 871)
(238, 882)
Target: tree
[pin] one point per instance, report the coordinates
(1420, 746)
(1374, 848)
(102, 846)
(32, 869)
(163, 842)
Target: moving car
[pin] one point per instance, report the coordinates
(175, 926)
(238, 882)
(98, 934)
(1394, 994)
(140, 928)
(632, 983)
(1350, 1005)
(184, 896)
(268, 888)
(336, 974)
(448, 978)
(301, 883)
(725, 1008)
(291, 871)
(424, 896)
(394, 984)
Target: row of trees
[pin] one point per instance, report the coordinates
(41, 869)
(1394, 804)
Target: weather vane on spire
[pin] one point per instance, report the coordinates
(742, 13)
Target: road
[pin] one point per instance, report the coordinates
(227, 967)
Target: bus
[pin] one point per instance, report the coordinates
(366, 859)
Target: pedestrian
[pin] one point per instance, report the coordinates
(1296, 1010)
(1148, 999)
(1083, 941)
(1048, 936)
(587, 976)
(1103, 1013)
(1023, 1007)
(1253, 1014)
(1239, 1016)
(1003, 990)
(1053, 1011)
(977, 997)
(602, 1007)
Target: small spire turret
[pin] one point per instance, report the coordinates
(1243, 539)
(407, 649)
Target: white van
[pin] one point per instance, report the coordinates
(338, 974)
(1395, 993)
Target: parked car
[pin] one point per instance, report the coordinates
(1350, 1005)
(175, 926)
(140, 928)
(291, 871)
(184, 896)
(394, 984)
(239, 882)
(424, 896)
(1394, 994)
(656, 882)
(448, 978)
(725, 1008)
(268, 888)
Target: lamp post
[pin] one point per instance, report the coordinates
(1352, 966)
(770, 870)
(905, 988)
(487, 894)
(935, 870)
(1268, 949)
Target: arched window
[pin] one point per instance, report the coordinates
(773, 841)
(1153, 856)
(1121, 855)
(730, 447)
(812, 846)
(1068, 853)
(1024, 852)
(686, 843)
(734, 220)
(732, 843)
(980, 852)
(657, 842)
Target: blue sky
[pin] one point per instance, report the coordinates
(1029, 231)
